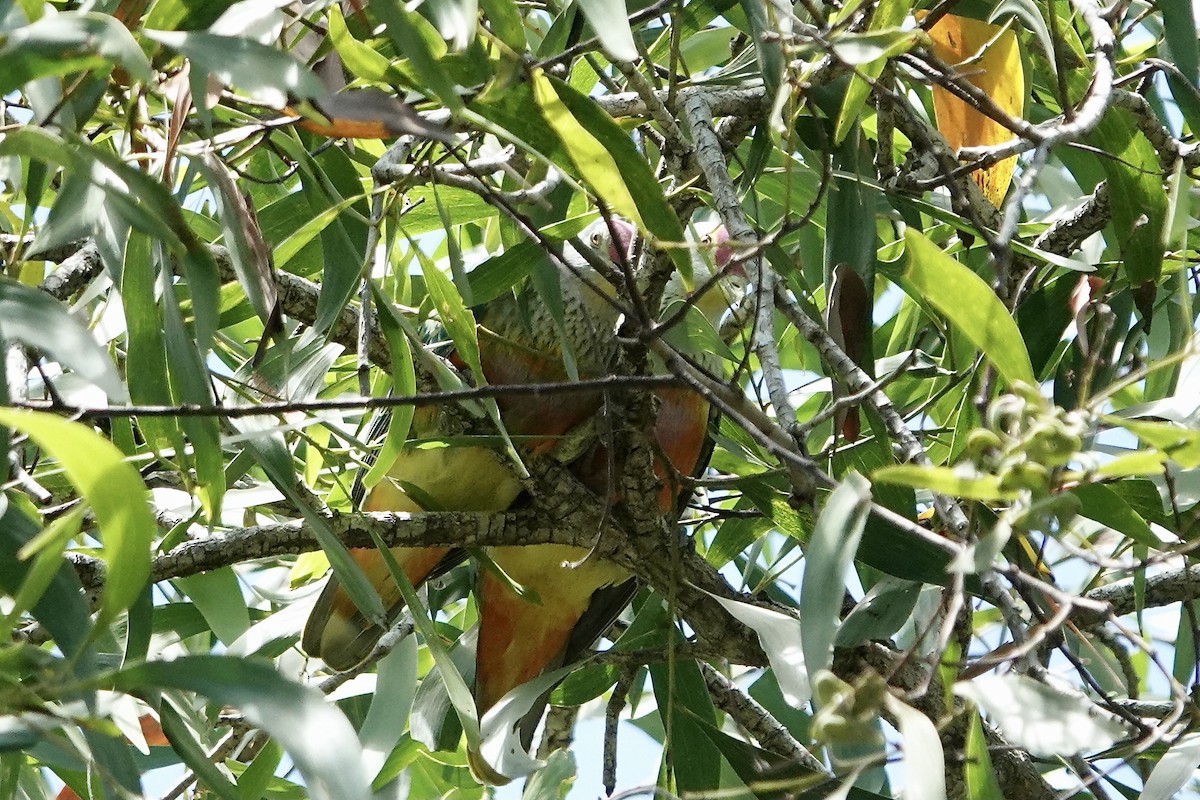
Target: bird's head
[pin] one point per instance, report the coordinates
(713, 257)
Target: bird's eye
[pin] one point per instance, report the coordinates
(706, 240)
(597, 239)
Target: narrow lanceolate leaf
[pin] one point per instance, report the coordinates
(969, 305)
(944, 480)
(1132, 168)
(115, 492)
(924, 763)
(1044, 721)
(988, 58)
(68, 42)
(593, 162)
(610, 21)
(37, 320)
(779, 636)
(1179, 27)
(888, 14)
(404, 28)
(265, 74)
(460, 324)
(249, 253)
(1177, 767)
(978, 770)
(315, 733)
(1181, 445)
(404, 382)
(587, 133)
(61, 609)
(830, 552)
(273, 456)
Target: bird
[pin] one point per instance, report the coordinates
(519, 343)
(579, 595)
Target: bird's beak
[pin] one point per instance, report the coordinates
(620, 240)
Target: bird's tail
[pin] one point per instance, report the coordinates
(338, 633)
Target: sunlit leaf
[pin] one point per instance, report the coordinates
(830, 553)
(969, 304)
(1175, 769)
(987, 56)
(1042, 720)
(779, 636)
(116, 494)
(924, 762)
(944, 480)
(315, 733)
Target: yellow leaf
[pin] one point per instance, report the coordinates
(986, 56)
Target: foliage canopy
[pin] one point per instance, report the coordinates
(951, 502)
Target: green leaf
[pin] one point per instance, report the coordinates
(407, 32)
(882, 611)
(59, 44)
(768, 48)
(273, 456)
(41, 322)
(978, 771)
(460, 696)
(46, 550)
(265, 74)
(1174, 770)
(1044, 721)
(780, 637)
(969, 304)
(924, 762)
(684, 703)
(1100, 503)
(504, 19)
(1179, 24)
(553, 781)
(1135, 176)
(888, 14)
(361, 59)
(146, 347)
(944, 480)
(61, 608)
(1181, 445)
(460, 324)
(404, 382)
(116, 494)
(189, 383)
(830, 552)
(455, 20)
(605, 157)
(252, 784)
(191, 752)
(218, 595)
(315, 733)
(610, 21)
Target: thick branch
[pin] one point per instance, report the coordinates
(1163, 589)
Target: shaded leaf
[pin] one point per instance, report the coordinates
(267, 75)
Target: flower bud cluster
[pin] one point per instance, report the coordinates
(1026, 439)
